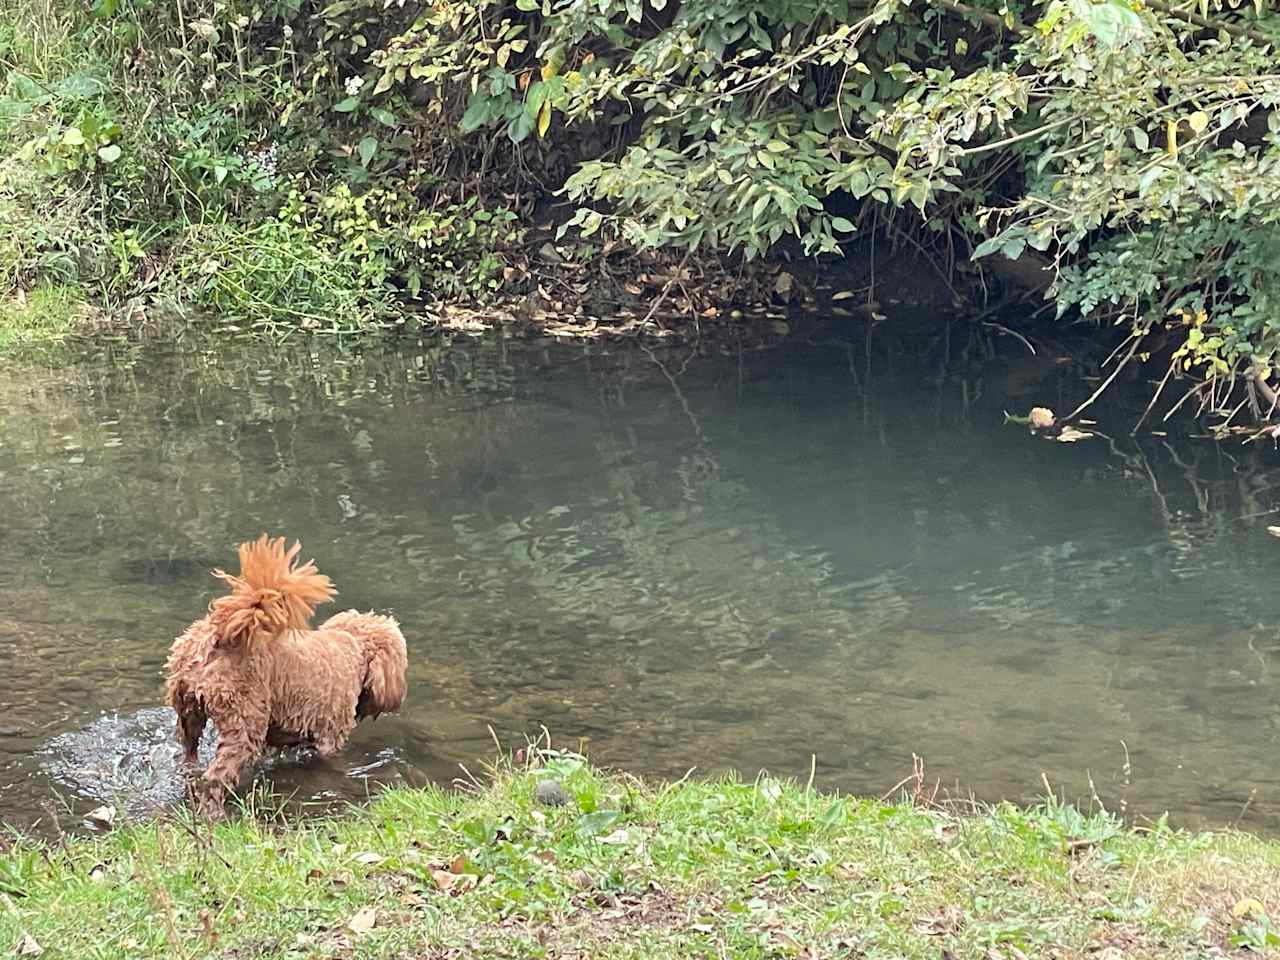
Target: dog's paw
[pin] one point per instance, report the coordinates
(209, 800)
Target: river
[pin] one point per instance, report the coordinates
(694, 556)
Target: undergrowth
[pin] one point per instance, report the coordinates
(624, 868)
(194, 157)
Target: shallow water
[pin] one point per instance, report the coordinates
(682, 558)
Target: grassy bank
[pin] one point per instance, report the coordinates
(628, 869)
(40, 320)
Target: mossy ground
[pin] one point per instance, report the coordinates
(633, 869)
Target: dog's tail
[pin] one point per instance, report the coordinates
(272, 594)
(384, 648)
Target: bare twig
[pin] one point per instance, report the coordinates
(1154, 397)
(1137, 339)
(1235, 29)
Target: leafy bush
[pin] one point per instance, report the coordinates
(1133, 147)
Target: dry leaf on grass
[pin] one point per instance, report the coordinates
(365, 919)
(28, 947)
(101, 818)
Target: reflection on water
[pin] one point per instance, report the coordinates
(722, 561)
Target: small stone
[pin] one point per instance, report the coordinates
(550, 794)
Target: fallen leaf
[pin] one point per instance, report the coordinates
(28, 947)
(842, 295)
(444, 879)
(1071, 435)
(580, 879)
(206, 925)
(366, 919)
(315, 873)
(368, 858)
(1246, 907)
(1042, 418)
(946, 921)
(459, 864)
(98, 873)
(850, 871)
(944, 833)
(103, 818)
(617, 838)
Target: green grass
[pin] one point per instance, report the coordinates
(40, 319)
(628, 869)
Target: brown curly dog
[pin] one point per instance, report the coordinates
(254, 666)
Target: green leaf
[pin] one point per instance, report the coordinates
(536, 97)
(843, 225)
(777, 146)
(110, 153)
(73, 137)
(1014, 247)
(383, 116)
(987, 247)
(758, 209)
(520, 128)
(347, 105)
(219, 173)
(78, 86)
(1112, 22)
(593, 824)
(1140, 139)
(367, 148)
(479, 112)
(1198, 121)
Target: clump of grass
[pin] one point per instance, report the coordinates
(39, 319)
(629, 869)
(276, 280)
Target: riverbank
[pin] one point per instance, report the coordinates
(613, 867)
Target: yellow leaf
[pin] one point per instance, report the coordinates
(1248, 906)
(544, 118)
(1171, 130)
(1198, 121)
